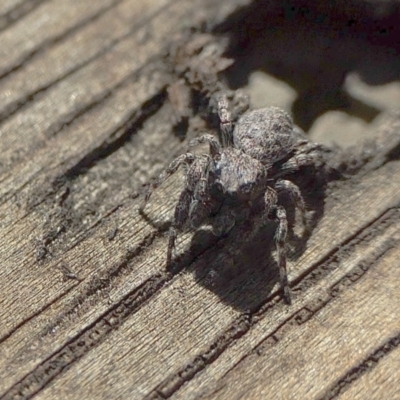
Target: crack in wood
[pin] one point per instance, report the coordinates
(95, 333)
(247, 320)
(52, 41)
(365, 235)
(370, 362)
(98, 285)
(83, 342)
(116, 139)
(18, 12)
(37, 313)
(19, 104)
(58, 191)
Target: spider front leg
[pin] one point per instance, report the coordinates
(187, 158)
(215, 146)
(226, 123)
(280, 239)
(271, 199)
(228, 113)
(180, 217)
(193, 201)
(293, 190)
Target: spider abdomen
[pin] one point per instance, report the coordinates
(265, 134)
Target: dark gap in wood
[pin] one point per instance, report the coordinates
(42, 375)
(36, 314)
(18, 12)
(369, 363)
(51, 42)
(42, 245)
(247, 320)
(101, 284)
(130, 126)
(57, 193)
(24, 101)
(394, 154)
(13, 192)
(91, 336)
(39, 196)
(172, 384)
(365, 235)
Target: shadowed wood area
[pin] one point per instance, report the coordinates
(96, 99)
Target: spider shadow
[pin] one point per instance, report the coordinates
(244, 274)
(241, 274)
(312, 46)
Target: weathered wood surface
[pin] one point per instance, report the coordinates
(87, 307)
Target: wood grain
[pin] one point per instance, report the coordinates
(380, 382)
(88, 309)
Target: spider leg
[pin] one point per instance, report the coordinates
(180, 217)
(279, 213)
(226, 122)
(193, 201)
(306, 154)
(280, 239)
(187, 158)
(202, 204)
(283, 185)
(215, 146)
(270, 200)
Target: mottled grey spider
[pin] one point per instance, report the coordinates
(242, 175)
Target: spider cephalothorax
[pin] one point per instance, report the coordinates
(242, 173)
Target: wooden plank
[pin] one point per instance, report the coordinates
(65, 101)
(183, 333)
(89, 42)
(101, 122)
(87, 307)
(379, 382)
(46, 22)
(310, 357)
(7, 6)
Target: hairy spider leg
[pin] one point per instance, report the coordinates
(226, 123)
(280, 239)
(279, 213)
(283, 185)
(202, 203)
(187, 158)
(307, 154)
(192, 204)
(180, 217)
(270, 200)
(215, 146)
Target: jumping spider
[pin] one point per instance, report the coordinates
(241, 176)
